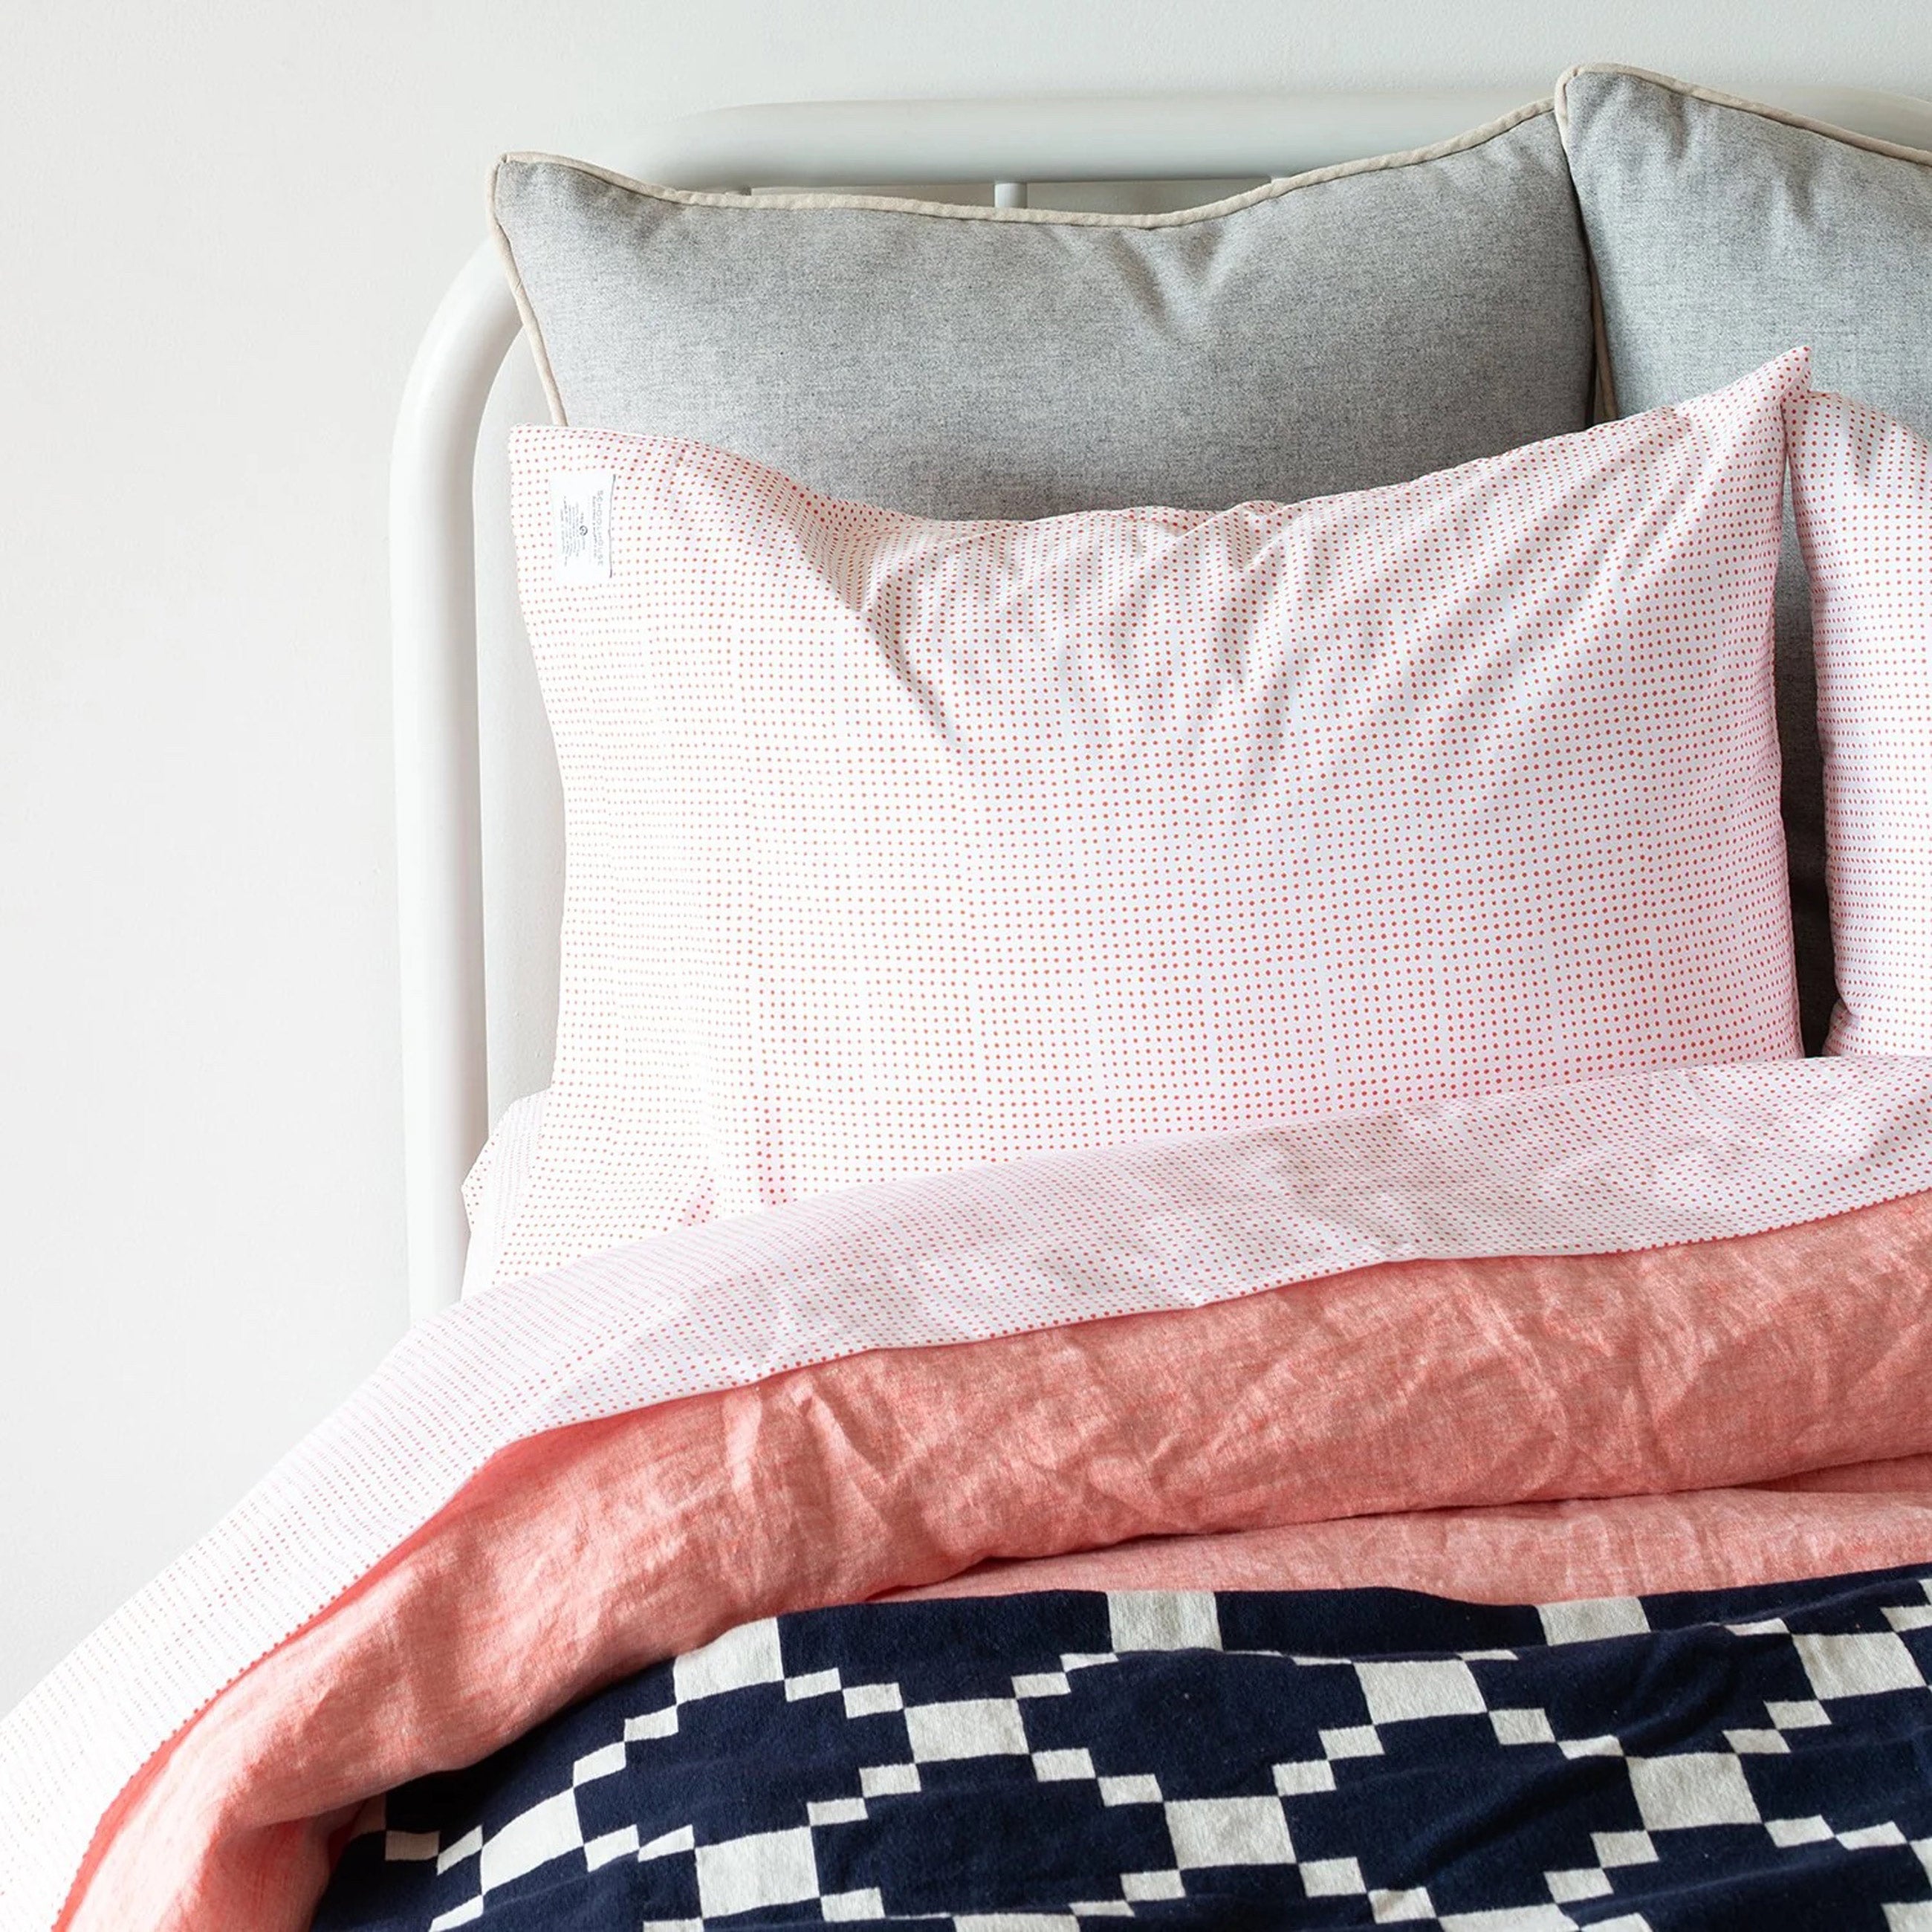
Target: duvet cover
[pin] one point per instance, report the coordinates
(1513, 1513)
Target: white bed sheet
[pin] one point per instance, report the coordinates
(494, 1190)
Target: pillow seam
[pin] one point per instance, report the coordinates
(1475, 137)
(1712, 97)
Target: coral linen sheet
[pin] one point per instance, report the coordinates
(1660, 1332)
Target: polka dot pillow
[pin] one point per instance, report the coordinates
(896, 846)
(1862, 486)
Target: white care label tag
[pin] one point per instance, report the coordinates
(580, 515)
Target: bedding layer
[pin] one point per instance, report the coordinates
(1735, 1759)
(1518, 1552)
(896, 847)
(560, 1482)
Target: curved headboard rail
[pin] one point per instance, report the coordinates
(1007, 143)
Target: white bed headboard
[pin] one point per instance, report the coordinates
(480, 996)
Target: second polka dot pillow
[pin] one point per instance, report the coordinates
(895, 846)
(1862, 483)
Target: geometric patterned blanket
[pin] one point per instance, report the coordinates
(1749, 1758)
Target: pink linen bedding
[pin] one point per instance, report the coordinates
(1551, 1344)
(1541, 1552)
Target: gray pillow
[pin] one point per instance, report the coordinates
(1360, 325)
(1724, 234)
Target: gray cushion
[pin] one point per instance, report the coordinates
(1356, 327)
(1724, 234)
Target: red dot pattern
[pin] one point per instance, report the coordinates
(1862, 484)
(897, 846)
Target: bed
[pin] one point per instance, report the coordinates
(1182, 1262)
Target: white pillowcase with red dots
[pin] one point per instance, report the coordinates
(897, 846)
(1862, 484)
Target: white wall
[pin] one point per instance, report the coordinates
(222, 228)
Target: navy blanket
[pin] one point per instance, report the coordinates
(1758, 1758)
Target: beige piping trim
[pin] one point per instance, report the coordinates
(1179, 217)
(1850, 137)
(532, 334)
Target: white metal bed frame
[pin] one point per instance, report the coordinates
(1006, 143)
